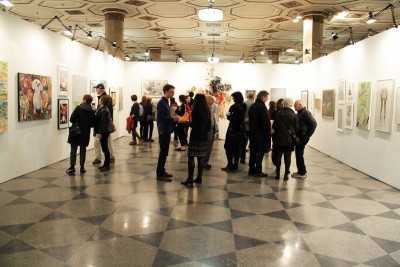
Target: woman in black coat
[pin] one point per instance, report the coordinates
(148, 117)
(84, 116)
(102, 128)
(285, 123)
(235, 133)
(180, 129)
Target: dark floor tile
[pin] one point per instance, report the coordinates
(352, 216)
(326, 261)
(391, 205)
(165, 258)
(15, 230)
(221, 203)
(221, 260)
(219, 187)
(242, 242)
(102, 234)
(289, 205)
(153, 239)
(62, 253)
(306, 228)
(387, 245)
(326, 204)
(182, 201)
(52, 205)
(269, 196)
(50, 185)
(176, 224)
(95, 220)
(235, 195)
(225, 226)
(55, 215)
(235, 214)
(390, 215)
(102, 182)
(82, 196)
(50, 179)
(164, 211)
(20, 192)
(229, 181)
(279, 214)
(297, 242)
(363, 196)
(123, 208)
(78, 188)
(385, 261)
(17, 201)
(349, 227)
(14, 246)
(278, 189)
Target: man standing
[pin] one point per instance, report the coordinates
(100, 91)
(259, 128)
(211, 133)
(307, 125)
(165, 125)
(248, 102)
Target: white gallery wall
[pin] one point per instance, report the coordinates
(31, 145)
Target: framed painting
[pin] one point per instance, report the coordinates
(317, 104)
(93, 84)
(311, 102)
(3, 96)
(153, 88)
(304, 98)
(113, 95)
(63, 81)
(63, 113)
(120, 98)
(34, 99)
(339, 119)
(363, 105)
(79, 89)
(341, 92)
(384, 105)
(349, 92)
(277, 93)
(328, 104)
(349, 116)
(397, 118)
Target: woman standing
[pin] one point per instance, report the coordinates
(102, 126)
(149, 120)
(235, 133)
(135, 111)
(201, 125)
(84, 116)
(180, 128)
(141, 117)
(285, 123)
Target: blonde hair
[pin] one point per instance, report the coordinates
(287, 102)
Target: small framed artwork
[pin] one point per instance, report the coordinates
(339, 119)
(311, 102)
(93, 84)
(349, 116)
(328, 104)
(63, 113)
(384, 105)
(304, 98)
(341, 92)
(364, 105)
(349, 92)
(398, 106)
(120, 98)
(63, 81)
(153, 88)
(113, 95)
(317, 103)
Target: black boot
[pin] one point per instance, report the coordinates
(277, 176)
(227, 167)
(188, 182)
(198, 180)
(286, 176)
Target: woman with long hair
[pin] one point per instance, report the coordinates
(135, 111)
(102, 129)
(148, 115)
(180, 128)
(201, 125)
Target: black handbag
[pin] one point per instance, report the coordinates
(74, 130)
(295, 138)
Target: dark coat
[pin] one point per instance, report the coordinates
(148, 112)
(236, 117)
(259, 122)
(84, 116)
(102, 121)
(110, 107)
(135, 112)
(201, 125)
(307, 125)
(285, 120)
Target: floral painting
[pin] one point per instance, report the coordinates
(363, 105)
(34, 99)
(328, 104)
(3, 96)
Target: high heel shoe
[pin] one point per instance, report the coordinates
(188, 182)
(198, 180)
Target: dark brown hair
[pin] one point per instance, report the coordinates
(88, 99)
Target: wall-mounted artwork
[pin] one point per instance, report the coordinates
(120, 98)
(328, 104)
(339, 119)
(384, 105)
(277, 93)
(93, 84)
(349, 116)
(397, 118)
(349, 92)
(34, 99)
(3, 96)
(341, 92)
(311, 102)
(317, 103)
(304, 98)
(63, 82)
(153, 88)
(113, 95)
(79, 89)
(363, 105)
(63, 113)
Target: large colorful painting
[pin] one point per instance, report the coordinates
(349, 116)
(384, 105)
(398, 106)
(79, 89)
(153, 88)
(3, 96)
(341, 92)
(63, 113)
(34, 99)
(363, 105)
(63, 82)
(328, 104)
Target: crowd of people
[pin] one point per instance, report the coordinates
(251, 124)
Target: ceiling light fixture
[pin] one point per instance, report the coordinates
(67, 30)
(269, 61)
(297, 60)
(297, 18)
(210, 13)
(351, 36)
(88, 34)
(6, 3)
(127, 58)
(262, 51)
(335, 36)
(147, 53)
(253, 60)
(213, 59)
(241, 61)
(114, 44)
(306, 51)
(371, 18)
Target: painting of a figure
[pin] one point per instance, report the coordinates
(153, 87)
(384, 105)
(341, 91)
(328, 104)
(63, 113)
(63, 84)
(363, 105)
(349, 92)
(3, 96)
(120, 98)
(349, 116)
(339, 118)
(34, 99)
(113, 95)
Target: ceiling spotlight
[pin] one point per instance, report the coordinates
(68, 31)
(89, 35)
(114, 44)
(147, 53)
(297, 60)
(6, 3)
(262, 52)
(241, 61)
(289, 50)
(371, 18)
(334, 36)
(211, 13)
(213, 59)
(269, 61)
(306, 51)
(253, 59)
(297, 18)
(127, 58)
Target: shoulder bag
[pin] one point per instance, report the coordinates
(74, 130)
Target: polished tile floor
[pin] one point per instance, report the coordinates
(337, 216)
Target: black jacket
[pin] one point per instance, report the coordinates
(135, 112)
(307, 123)
(201, 125)
(102, 121)
(110, 107)
(84, 116)
(148, 111)
(259, 122)
(236, 117)
(285, 120)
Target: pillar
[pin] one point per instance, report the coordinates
(274, 56)
(114, 28)
(313, 23)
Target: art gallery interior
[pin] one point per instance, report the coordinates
(31, 149)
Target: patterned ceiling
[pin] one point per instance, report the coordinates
(248, 27)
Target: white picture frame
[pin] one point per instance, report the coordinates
(349, 92)
(349, 116)
(384, 105)
(304, 98)
(341, 92)
(340, 119)
(153, 88)
(63, 81)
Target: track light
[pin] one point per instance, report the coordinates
(6, 3)
(262, 51)
(114, 44)
(127, 58)
(269, 61)
(297, 60)
(335, 36)
(306, 51)
(89, 35)
(241, 61)
(253, 59)
(371, 18)
(67, 30)
(147, 53)
(297, 18)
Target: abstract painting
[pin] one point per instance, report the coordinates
(3, 96)
(398, 106)
(384, 105)
(339, 119)
(153, 88)
(349, 92)
(63, 84)
(120, 98)
(63, 113)
(79, 89)
(311, 102)
(328, 104)
(304, 99)
(363, 105)
(349, 116)
(341, 92)
(34, 99)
